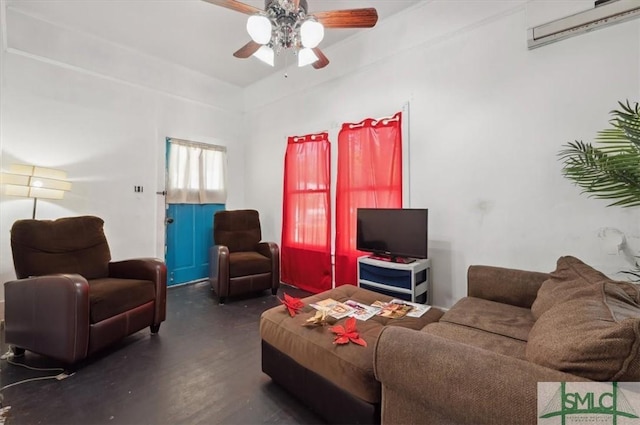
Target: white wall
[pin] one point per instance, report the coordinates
(102, 113)
(487, 119)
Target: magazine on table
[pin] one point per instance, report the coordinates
(333, 308)
(391, 309)
(362, 311)
(396, 309)
(417, 310)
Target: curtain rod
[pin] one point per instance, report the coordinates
(197, 144)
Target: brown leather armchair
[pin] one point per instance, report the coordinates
(70, 300)
(239, 262)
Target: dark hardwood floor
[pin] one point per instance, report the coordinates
(202, 368)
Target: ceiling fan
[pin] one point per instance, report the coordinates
(287, 24)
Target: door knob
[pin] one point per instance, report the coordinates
(168, 220)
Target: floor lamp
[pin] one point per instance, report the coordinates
(35, 182)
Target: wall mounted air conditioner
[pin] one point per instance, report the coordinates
(609, 13)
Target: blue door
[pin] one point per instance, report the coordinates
(189, 237)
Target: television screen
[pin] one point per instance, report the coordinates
(393, 232)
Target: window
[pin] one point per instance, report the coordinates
(197, 173)
(306, 227)
(369, 176)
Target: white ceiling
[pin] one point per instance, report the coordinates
(192, 33)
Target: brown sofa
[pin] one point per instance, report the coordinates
(480, 364)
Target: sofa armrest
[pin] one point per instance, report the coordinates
(268, 249)
(151, 269)
(447, 381)
(508, 286)
(271, 250)
(49, 315)
(219, 270)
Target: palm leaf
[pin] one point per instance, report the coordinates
(610, 171)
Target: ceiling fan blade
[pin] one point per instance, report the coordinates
(348, 18)
(247, 50)
(322, 59)
(236, 5)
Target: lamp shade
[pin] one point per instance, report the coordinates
(306, 56)
(311, 33)
(35, 182)
(266, 55)
(259, 28)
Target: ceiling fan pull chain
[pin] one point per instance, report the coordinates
(286, 65)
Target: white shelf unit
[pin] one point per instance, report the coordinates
(410, 281)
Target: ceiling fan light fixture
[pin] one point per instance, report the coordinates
(306, 57)
(266, 55)
(259, 28)
(311, 33)
(284, 25)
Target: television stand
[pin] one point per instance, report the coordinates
(392, 259)
(409, 282)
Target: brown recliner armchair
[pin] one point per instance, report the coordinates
(239, 262)
(70, 300)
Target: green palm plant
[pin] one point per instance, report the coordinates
(610, 171)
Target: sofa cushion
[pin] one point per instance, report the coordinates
(66, 245)
(109, 297)
(570, 278)
(238, 230)
(478, 338)
(490, 316)
(595, 335)
(248, 263)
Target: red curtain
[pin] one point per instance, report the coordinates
(306, 216)
(369, 176)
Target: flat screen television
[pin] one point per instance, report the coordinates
(396, 234)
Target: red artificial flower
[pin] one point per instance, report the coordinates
(347, 333)
(292, 304)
